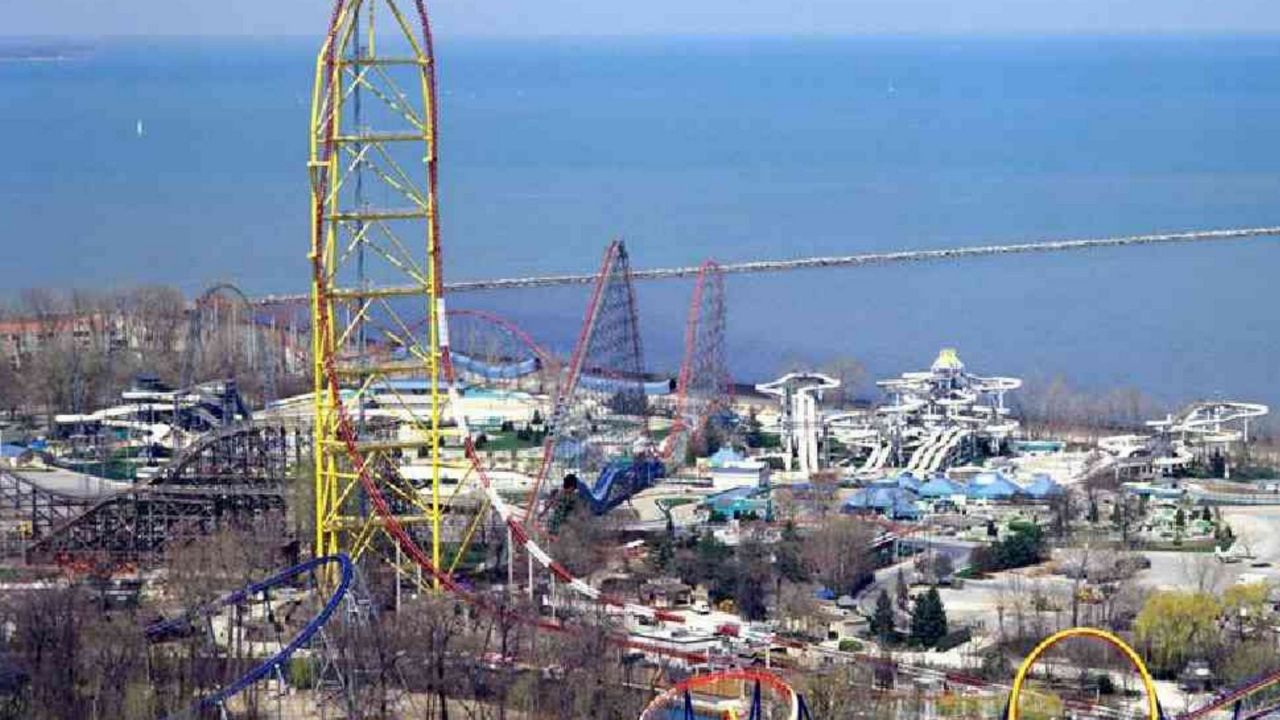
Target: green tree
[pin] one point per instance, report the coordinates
(1248, 660)
(1176, 626)
(663, 553)
(928, 619)
(1023, 546)
(1247, 607)
(789, 555)
(882, 618)
(1180, 519)
(709, 562)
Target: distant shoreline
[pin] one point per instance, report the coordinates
(36, 58)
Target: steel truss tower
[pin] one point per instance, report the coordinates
(375, 253)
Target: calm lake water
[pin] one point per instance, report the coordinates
(741, 149)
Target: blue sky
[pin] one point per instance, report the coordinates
(660, 17)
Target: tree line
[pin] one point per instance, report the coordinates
(75, 351)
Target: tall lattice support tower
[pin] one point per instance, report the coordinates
(375, 252)
(704, 389)
(601, 413)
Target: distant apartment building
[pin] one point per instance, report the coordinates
(21, 338)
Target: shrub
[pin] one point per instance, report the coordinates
(953, 639)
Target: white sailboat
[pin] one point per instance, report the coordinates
(139, 128)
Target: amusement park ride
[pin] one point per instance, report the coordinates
(1197, 432)
(399, 383)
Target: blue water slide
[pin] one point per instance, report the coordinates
(169, 628)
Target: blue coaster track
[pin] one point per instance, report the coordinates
(177, 626)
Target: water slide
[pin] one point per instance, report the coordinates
(876, 460)
(946, 450)
(181, 625)
(924, 450)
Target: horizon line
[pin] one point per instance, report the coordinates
(1028, 34)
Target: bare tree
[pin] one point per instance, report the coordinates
(1202, 571)
(837, 552)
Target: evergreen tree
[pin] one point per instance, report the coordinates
(1206, 515)
(789, 555)
(1093, 512)
(882, 619)
(1180, 519)
(663, 553)
(928, 619)
(901, 590)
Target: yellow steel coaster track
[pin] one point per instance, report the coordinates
(386, 484)
(375, 253)
(1012, 711)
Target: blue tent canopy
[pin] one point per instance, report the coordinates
(941, 487)
(993, 486)
(893, 502)
(903, 480)
(1043, 486)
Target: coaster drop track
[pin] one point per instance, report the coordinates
(192, 620)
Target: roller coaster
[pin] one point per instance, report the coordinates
(1233, 697)
(200, 621)
(234, 475)
(681, 694)
(601, 414)
(368, 504)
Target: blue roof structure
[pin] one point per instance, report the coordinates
(893, 502)
(12, 451)
(1043, 486)
(941, 486)
(739, 500)
(992, 486)
(904, 480)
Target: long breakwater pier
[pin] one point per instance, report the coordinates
(837, 261)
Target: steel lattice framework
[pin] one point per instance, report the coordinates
(382, 389)
(376, 260)
(704, 390)
(601, 413)
(224, 341)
